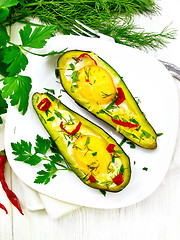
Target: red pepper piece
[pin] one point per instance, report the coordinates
(110, 148)
(118, 180)
(87, 80)
(11, 196)
(124, 124)
(74, 131)
(3, 207)
(85, 54)
(92, 178)
(44, 105)
(121, 96)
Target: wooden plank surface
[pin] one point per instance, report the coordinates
(155, 218)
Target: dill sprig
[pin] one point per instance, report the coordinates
(100, 15)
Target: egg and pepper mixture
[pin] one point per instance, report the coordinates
(100, 161)
(96, 85)
(103, 92)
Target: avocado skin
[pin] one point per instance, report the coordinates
(144, 143)
(63, 147)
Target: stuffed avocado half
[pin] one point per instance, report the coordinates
(90, 152)
(96, 86)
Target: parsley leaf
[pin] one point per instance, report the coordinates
(23, 152)
(131, 144)
(4, 13)
(4, 37)
(17, 88)
(146, 134)
(42, 145)
(45, 176)
(57, 158)
(3, 106)
(36, 38)
(9, 3)
(15, 58)
(159, 134)
(4, 66)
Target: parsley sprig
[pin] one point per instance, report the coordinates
(45, 151)
(13, 59)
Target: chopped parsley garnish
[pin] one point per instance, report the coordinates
(74, 76)
(146, 134)
(72, 67)
(131, 144)
(94, 154)
(159, 134)
(123, 141)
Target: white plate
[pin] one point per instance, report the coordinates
(146, 78)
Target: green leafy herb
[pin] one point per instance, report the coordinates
(103, 192)
(9, 3)
(111, 105)
(24, 153)
(51, 119)
(113, 158)
(3, 107)
(72, 90)
(87, 141)
(50, 90)
(159, 134)
(74, 76)
(132, 145)
(145, 169)
(13, 60)
(72, 67)
(94, 154)
(105, 95)
(17, 88)
(42, 145)
(121, 169)
(146, 134)
(36, 38)
(57, 73)
(101, 15)
(123, 141)
(58, 114)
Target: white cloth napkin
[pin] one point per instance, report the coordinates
(34, 201)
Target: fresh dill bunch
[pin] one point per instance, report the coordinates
(129, 34)
(99, 15)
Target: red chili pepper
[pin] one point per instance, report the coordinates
(118, 180)
(87, 80)
(92, 178)
(85, 54)
(44, 105)
(3, 207)
(11, 196)
(121, 96)
(124, 124)
(74, 131)
(110, 148)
